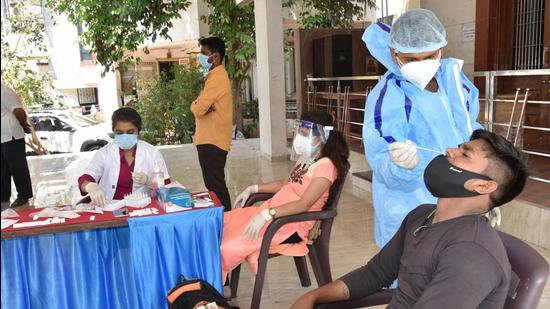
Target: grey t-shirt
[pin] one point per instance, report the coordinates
(457, 263)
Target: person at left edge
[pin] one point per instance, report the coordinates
(14, 159)
(124, 166)
(213, 111)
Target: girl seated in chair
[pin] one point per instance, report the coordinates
(322, 163)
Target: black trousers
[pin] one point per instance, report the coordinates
(212, 160)
(14, 164)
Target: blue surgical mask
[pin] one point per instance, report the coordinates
(126, 141)
(203, 61)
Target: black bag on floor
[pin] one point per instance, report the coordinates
(188, 294)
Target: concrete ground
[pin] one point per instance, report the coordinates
(352, 243)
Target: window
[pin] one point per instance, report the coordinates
(528, 34)
(5, 10)
(85, 51)
(50, 124)
(166, 69)
(87, 96)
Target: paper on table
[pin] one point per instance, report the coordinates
(201, 202)
(114, 205)
(9, 213)
(39, 223)
(8, 222)
(88, 208)
(174, 208)
(54, 212)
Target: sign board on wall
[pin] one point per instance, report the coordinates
(468, 32)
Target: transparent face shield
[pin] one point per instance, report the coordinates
(309, 138)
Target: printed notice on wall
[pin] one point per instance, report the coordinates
(468, 32)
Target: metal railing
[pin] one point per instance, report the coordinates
(491, 102)
(338, 100)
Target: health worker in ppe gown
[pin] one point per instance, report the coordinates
(420, 107)
(124, 166)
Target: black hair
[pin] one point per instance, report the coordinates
(126, 114)
(214, 44)
(507, 166)
(336, 148)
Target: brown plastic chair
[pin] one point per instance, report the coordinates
(318, 250)
(528, 266)
(532, 270)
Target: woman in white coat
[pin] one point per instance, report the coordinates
(124, 166)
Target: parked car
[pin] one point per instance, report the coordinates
(63, 131)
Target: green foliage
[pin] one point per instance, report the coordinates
(32, 87)
(112, 28)
(165, 105)
(329, 14)
(251, 112)
(21, 39)
(235, 25)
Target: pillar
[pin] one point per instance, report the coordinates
(271, 78)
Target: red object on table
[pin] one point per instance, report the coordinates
(106, 219)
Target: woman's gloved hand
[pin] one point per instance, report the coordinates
(140, 179)
(404, 154)
(96, 194)
(494, 216)
(253, 228)
(243, 197)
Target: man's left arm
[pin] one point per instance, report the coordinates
(204, 104)
(379, 272)
(465, 275)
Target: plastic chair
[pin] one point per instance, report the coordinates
(529, 267)
(318, 250)
(532, 270)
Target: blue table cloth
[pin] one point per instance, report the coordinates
(123, 267)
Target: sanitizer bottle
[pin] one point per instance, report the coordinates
(157, 180)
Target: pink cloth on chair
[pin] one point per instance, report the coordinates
(235, 248)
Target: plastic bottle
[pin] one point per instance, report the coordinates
(157, 180)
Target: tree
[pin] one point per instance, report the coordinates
(235, 25)
(329, 14)
(114, 28)
(171, 121)
(22, 38)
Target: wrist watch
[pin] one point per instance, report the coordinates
(272, 212)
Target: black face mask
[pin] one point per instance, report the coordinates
(446, 180)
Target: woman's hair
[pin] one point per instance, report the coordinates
(336, 147)
(126, 114)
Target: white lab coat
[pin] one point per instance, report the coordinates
(105, 166)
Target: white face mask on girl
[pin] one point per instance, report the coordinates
(302, 145)
(420, 73)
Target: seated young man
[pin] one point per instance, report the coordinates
(445, 255)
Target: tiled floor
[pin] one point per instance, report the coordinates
(537, 191)
(352, 242)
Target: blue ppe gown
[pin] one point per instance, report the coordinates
(397, 110)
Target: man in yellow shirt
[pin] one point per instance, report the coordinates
(213, 111)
